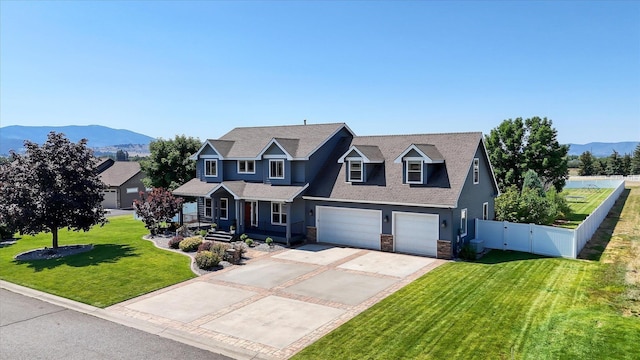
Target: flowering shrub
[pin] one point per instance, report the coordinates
(205, 246)
(174, 243)
(190, 244)
(207, 260)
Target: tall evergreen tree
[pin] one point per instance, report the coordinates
(587, 164)
(626, 165)
(614, 164)
(50, 187)
(516, 146)
(635, 162)
(169, 165)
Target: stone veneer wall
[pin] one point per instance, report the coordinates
(386, 242)
(444, 249)
(312, 234)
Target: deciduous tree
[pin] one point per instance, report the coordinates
(516, 146)
(169, 165)
(156, 207)
(50, 187)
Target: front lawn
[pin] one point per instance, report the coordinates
(508, 305)
(121, 266)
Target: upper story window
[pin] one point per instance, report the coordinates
(355, 170)
(414, 172)
(246, 167)
(476, 170)
(276, 169)
(211, 167)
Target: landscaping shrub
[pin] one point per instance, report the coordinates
(220, 249)
(207, 260)
(205, 246)
(467, 252)
(248, 241)
(203, 233)
(244, 237)
(190, 244)
(174, 243)
(269, 241)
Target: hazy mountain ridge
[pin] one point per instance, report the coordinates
(600, 149)
(100, 138)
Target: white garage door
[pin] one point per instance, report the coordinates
(416, 233)
(110, 199)
(352, 227)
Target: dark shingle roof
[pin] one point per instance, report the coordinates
(241, 189)
(118, 173)
(300, 141)
(385, 184)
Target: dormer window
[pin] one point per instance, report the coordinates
(355, 170)
(211, 167)
(414, 171)
(276, 169)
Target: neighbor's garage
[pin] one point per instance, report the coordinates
(352, 227)
(416, 233)
(110, 199)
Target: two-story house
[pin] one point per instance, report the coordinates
(417, 194)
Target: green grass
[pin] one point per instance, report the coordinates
(585, 201)
(121, 266)
(509, 305)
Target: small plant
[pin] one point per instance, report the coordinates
(220, 249)
(232, 229)
(269, 241)
(183, 231)
(249, 242)
(207, 260)
(467, 252)
(174, 243)
(203, 233)
(214, 226)
(244, 237)
(205, 246)
(190, 244)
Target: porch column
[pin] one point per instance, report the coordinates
(240, 209)
(238, 224)
(287, 208)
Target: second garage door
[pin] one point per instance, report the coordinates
(416, 233)
(352, 227)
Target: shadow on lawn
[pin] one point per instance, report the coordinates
(501, 256)
(101, 254)
(595, 247)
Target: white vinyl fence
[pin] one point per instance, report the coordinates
(549, 240)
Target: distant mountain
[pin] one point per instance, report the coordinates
(601, 149)
(99, 137)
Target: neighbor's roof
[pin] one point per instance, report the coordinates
(241, 190)
(298, 141)
(118, 173)
(386, 184)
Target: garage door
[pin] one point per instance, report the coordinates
(110, 199)
(416, 233)
(351, 227)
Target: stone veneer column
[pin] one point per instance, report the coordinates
(386, 242)
(312, 234)
(444, 249)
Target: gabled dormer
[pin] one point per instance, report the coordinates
(209, 159)
(416, 162)
(277, 157)
(360, 161)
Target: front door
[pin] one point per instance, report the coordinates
(251, 213)
(247, 213)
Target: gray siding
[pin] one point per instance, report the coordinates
(329, 152)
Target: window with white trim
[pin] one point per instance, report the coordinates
(224, 208)
(476, 170)
(276, 169)
(414, 172)
(355, 171)
(208, 207)
(485, 211)
(211, 167)
(278, 214)
(246, 167)
(132, 190)
(463, 222)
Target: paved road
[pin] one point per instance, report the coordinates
(35, 329)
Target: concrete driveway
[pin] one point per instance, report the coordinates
(275, 305)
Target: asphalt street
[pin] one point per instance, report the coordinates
(35, 329)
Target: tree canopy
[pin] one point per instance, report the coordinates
(158, 206)
(518, 145)
(588, 165)
(169, 165)
(50, 187)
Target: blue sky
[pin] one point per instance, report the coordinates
(201, 68)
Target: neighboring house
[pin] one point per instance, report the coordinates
(124, 183)
(417, 194)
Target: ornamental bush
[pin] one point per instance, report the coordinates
(220, 249)
(248, 241)
(205, 246)
(190, 244)
(174, 243)
(207, 260)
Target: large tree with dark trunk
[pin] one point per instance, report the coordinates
(51, 187)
